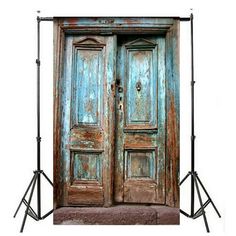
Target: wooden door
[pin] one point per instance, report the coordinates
(116, 111)
(140, 117)
(87, 128)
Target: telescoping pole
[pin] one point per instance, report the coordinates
(38, 121)
(192, 120)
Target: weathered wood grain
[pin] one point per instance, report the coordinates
(58, 41)
(140, 192)
(172, 110)
(124, 25)
(140, 131)
(85, 196)
(141, 118)
(85, 108)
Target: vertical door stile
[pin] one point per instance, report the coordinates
(109, 119)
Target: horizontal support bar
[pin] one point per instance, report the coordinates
(184, 18)
(45, 18)
(180, 18)
(196, 215)
(199, 211)
(47, 214)
(32, 215)
(184, 213)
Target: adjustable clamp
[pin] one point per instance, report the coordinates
(37, 62)
(38, 139)
(38, 171)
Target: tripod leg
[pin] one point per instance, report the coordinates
(46, 177)
(29, 201)
(47, 214)
(184, 178)
(27, 190)
(208, 196)
(201, 204)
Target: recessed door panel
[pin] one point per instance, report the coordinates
(87, 86)
(141, 77)
(140, 164)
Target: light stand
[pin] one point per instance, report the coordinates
(195, 180)
(37, 173)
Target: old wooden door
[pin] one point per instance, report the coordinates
(140, 120)
(116, 117)
(86, 123)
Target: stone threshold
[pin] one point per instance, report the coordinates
(117, 215)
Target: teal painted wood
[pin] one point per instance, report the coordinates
(141, 105)
(87, 105)
(80, 126)
(87, 166)
(140, 138)
(119, 21)
(108, 25)
(87, 86)
(109, 118)
(65, 86)
(141, 164)
(173, 122)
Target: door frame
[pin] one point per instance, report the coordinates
(168, 26)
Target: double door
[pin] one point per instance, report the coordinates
(113, 120)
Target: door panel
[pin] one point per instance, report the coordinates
(140, 85)
(87, 86)
(140, 115)
(88, 102)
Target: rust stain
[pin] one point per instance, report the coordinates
(172, 149)
(139, 140)
(90, 195)
(86, 139)
(131, 21)
(139, 192)
(85, 166)
(72, 20)
(89, 106)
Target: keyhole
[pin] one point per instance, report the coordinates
(138, 86)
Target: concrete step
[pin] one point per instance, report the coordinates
(117, 215)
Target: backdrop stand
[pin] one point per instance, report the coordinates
(195, 180)
(37, 173)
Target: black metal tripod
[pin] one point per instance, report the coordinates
(37, 173)
(195, 180)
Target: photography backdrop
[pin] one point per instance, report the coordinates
(215, 50)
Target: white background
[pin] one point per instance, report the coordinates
(215, 50)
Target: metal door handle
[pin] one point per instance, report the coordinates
(120, 89)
